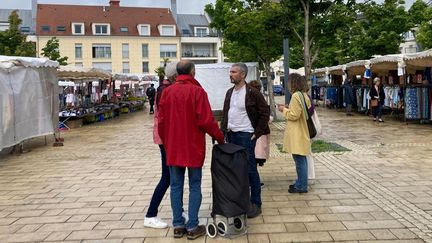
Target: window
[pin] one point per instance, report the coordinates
(61, 28)
(101, 29)
(4, 26)
(78, 64)
(101, 51)
(25, 29)
(201, 31)
(124, 29)
(145, 67)
(167, 30)
(145, 50)
(78, 51)
(144, 29)
(125, 51)
(107, 66)
(186, 32)
(126, 67)
(168, 50)
(45, 28)
(78, 28)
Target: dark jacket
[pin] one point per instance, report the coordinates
(373, 93)
(256, 107)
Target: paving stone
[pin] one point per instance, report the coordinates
(324, 226)
(300, 237)
(88, 235)
(376, 224)
(351, 235)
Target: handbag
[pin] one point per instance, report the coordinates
(317, 123)
(374, 103)
(309, 122)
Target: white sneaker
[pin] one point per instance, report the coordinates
(185, 216)
(155, 222)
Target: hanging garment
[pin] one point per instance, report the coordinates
(411, 104)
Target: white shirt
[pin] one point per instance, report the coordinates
(238, 120)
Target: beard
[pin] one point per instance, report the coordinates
(233, 81)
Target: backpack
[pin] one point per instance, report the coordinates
(150, 92)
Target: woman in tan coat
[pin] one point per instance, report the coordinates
(296, 136)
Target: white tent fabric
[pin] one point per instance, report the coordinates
(419, 59)
(28, 99)
(11, 61)
(215, 80)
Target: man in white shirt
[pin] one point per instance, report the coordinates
(245, 119)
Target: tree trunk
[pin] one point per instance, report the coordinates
(307, 54)
(271, 99)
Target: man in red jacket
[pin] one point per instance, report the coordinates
(185, 117)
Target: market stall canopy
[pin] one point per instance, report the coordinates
(337, 70)
(7, 62)
(125, 77)
(385, 63)
(320, 71)
(80, 73)
(419, 59)
(357, 67)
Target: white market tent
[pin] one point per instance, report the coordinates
(419, 59)
(357, 67)
(215, 80)
(81, 73)
(28, 99)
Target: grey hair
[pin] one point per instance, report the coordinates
(171, 70)
(376, 80)
(243, 68)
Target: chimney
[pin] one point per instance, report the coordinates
(174, 9)
(114, 3)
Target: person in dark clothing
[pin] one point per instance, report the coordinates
(245, 119)
(151, 93)
(377, 95)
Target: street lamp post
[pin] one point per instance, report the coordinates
(286, 69)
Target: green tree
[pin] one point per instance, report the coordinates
(424, 23)
(51, 51)
(12, 42)
(251, 34)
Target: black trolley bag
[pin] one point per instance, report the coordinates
(230, 186)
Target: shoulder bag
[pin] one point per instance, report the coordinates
(311, 126)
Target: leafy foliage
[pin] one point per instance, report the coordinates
(12, 42)
(51, 50)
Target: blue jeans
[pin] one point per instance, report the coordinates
(302, 172)
(377, 111)
(244, 139)
(195, 197)
(161, 187)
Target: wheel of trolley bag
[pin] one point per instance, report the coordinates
(211, 230)
(222, 228)
(239, 224)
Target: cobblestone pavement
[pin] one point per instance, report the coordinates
(97, 187)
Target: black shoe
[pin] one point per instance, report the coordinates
(291, 186)
(197, 232)
(262, 184)
(179, 232)
(254, 211)
(295, 190)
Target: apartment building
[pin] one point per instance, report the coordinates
(113, 38)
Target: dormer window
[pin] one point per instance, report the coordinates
(201, 31)
(167, 30)
(78, 29)
(101, 29)
(144, 29)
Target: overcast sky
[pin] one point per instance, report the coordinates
(184, 6)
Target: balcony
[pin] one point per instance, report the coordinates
(187, 33)
(199, 54)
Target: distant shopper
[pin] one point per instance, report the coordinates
(377, 99)
(296, 136)
(184, 118)
(262, 147)
(151, 93)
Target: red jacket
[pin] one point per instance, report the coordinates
(184, 118)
